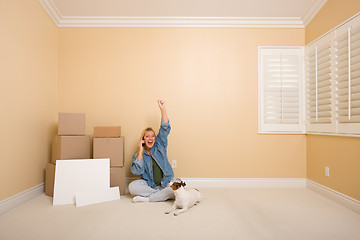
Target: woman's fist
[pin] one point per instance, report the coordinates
(161, 104)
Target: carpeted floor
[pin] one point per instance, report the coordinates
(288, 214)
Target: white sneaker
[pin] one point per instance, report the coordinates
(140, 199)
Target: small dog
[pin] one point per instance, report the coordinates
(184, 199)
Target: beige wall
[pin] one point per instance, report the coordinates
(331, 15)
(208, 77)
(341, 154)
(27, 94)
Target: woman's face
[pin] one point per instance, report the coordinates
(149, 138)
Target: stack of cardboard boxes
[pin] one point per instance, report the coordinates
(72, 143)
(108, 143)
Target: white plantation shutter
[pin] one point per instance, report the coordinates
(280, 90)
(318, 86)
(333, 81)
(347, 69)
(332, 85)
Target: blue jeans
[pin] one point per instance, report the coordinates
(159, 194)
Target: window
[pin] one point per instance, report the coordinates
(281, 93)
(333, 81)
(318, 80)
(322, 97)
(347, 77)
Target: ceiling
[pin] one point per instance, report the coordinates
(182, 13)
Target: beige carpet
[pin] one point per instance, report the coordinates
(224, 214)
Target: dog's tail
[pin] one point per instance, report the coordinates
(201, 195)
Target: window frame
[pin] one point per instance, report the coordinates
(336, 128)
(264, 128)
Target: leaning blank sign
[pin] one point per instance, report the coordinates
(80, 175)
(97, 196)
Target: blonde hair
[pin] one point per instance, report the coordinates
(143, 136)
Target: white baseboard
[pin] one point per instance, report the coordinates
(245, 182)
(338, 197)
(20, 198)
(242, 182)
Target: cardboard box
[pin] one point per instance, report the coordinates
(107, 132)
(71, 124)
(112, 148)
(117, 178)
(49, 179)
(71, 147)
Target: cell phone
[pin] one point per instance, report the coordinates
(143, 143)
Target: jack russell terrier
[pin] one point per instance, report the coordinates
(184, 199)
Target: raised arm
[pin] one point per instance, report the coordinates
(162, 107)
(165, 125)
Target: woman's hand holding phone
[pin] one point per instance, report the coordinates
(141, 149)
(142, 144)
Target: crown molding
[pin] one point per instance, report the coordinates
(312, 11)
(51, 9)
(207, 22)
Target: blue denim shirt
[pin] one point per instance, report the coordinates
(159, 154)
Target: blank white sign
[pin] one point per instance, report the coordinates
(79, 175)
(97, 196)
